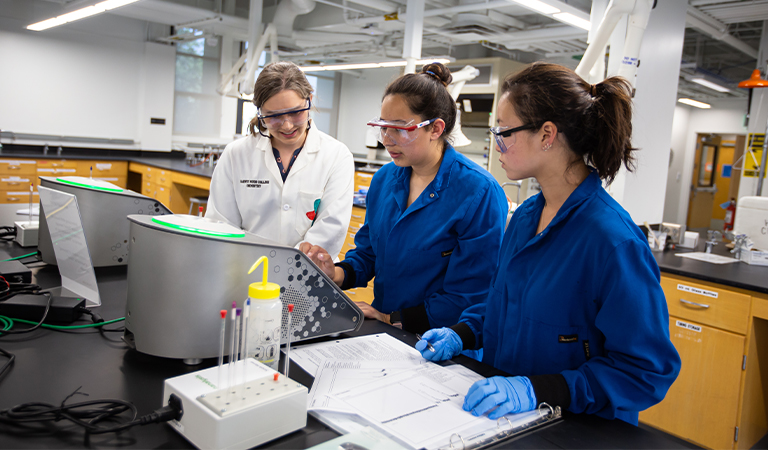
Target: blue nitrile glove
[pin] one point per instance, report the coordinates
(445, 341)
(510, 394)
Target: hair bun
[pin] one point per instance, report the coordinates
(438, 72)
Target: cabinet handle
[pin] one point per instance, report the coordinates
(700, 305)
(13, 184)
(14, 167)
(13, 199)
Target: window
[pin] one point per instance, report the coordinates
(323, 112)
(197, 105)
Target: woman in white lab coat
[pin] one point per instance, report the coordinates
(287, 181)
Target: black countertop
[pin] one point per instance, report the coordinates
(739, 275)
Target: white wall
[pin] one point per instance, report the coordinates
(642, 192)
(676, 165)
(92, 78)
(725, 117)
(359, 102)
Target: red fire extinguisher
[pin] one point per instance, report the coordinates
(730, 215)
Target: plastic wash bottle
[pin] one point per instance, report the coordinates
(266, 315)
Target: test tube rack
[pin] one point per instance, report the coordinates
(262, 405)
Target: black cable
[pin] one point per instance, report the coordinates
(88, 415)
(7, 233)
(11, 358)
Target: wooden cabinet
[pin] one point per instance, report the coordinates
(173, 189)
(16, 176)
(362, 181)
(715, 396)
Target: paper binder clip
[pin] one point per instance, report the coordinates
(463, 445)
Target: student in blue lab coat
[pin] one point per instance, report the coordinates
(434, 219)
(575, 312)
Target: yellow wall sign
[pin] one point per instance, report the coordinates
(754, 145)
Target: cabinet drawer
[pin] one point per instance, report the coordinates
(18, 197)
(56, 171)
(16, 183)
(102, 168)
(148, 189)
(161, 177)
(18, 167)
(56, 164)
(362, 180)
(707, 303)
(354, 227)
(358, 215)
(163, 194)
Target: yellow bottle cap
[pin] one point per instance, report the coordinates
(264, 290)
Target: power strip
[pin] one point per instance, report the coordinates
(264, 407)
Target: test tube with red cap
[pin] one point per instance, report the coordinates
(287, 363)
(223, 313)
(199, 211)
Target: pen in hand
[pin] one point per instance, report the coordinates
(429, 346)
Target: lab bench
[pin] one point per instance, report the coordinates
(52, 365)
(718, 321)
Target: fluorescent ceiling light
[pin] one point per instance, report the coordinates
(538, 6)
(573, 20)
(688, 101)
(714, 86)
(399, 63)
(79, 14)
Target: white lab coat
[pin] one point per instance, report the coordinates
(248, 192)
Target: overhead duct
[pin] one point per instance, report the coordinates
(282, 25)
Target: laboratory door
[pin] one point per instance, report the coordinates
(713, 181)
(703, 185)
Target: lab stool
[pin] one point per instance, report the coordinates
(196, 202)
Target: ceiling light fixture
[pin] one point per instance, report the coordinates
(558, 10)
(78, 14)
(573, 20)
(706, 83)
(538, 6)
(376, 65)
(690, 102)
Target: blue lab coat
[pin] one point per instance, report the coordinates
(581, 299)
(436, 257)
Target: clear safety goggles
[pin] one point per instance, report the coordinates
(505, 136)
(397, 133)
(275, 119)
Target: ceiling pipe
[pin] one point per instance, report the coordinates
(695, 20)
(432, 12)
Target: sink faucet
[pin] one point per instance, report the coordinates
(713, 237)
(739, 245)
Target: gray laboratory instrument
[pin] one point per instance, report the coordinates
(185, 269)
(103, 210)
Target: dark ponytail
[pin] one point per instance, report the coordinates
(426, 95)
(596, 120)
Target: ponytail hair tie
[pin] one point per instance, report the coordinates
(436, 77)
